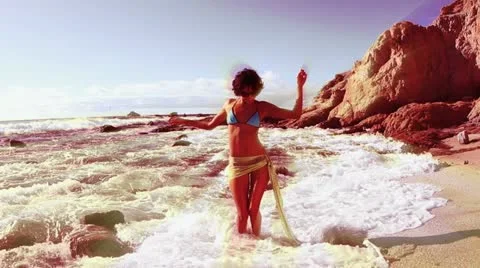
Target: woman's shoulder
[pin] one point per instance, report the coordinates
(228, 103)
(262, 104)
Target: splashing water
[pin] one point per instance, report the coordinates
(177, 205)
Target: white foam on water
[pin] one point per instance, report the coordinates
(357, 186)
(178, 216)
(11, 127)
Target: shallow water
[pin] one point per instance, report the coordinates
(177, 206)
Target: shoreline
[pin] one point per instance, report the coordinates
(452, 237)
(107, 117)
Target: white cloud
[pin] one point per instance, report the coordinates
(27, 103)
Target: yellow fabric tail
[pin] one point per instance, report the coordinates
(239, 166)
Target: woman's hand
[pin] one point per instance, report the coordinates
(301, 78)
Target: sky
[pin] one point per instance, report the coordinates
(84, 58)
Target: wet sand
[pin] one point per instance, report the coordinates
(452, 238)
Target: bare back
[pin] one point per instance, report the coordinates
(243, 138)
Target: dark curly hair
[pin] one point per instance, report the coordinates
(244, 79)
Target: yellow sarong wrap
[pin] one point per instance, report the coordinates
(239, 166)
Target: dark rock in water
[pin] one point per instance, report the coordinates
(181, 143)
(93, 241)
(107, 219)
(283, 171)
(133, 114)
(15, 241)
(24, 233)
(109, 128)
(142, 133)
(15, 143)
(181, 137)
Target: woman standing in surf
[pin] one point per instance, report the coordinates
(250, 168)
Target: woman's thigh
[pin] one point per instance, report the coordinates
(239, 188)
(260, 180)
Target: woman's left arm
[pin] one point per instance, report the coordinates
(215, 122)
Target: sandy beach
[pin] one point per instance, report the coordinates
(452, 238)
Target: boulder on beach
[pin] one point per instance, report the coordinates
(181, 143)
(109, 128)
(96, 241)
(16, 143)
(462, 137)
(105, 219)
(133, 114)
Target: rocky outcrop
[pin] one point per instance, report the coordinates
(474, 115)
(418, 117)
(400, 68)
(133, 114)
(425, 125)
(371, 124)
(407, 64)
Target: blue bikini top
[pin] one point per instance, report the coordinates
(254, 120)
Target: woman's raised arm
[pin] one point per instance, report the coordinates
(271, 110)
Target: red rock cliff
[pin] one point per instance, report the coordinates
(406, 64)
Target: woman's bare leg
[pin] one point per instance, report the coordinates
(239, 189)
(259, 183)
